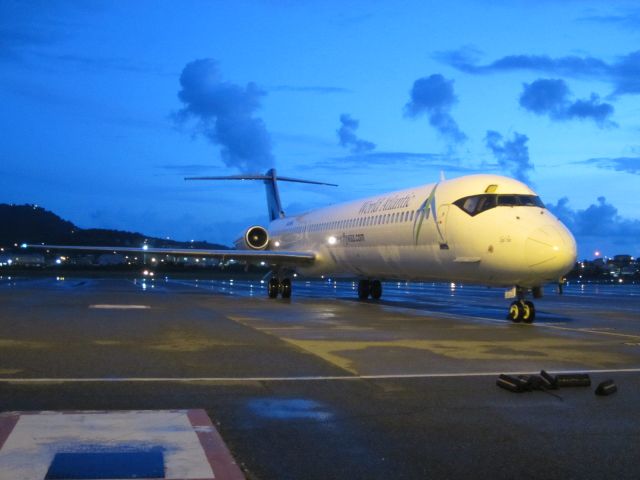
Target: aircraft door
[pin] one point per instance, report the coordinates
(441, 224)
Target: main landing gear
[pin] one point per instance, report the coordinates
(522, 310)
(368, 288)
(279, 286)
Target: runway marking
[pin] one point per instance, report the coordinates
(590, 330)
(311, 378)
(90, 444)
(106, 306)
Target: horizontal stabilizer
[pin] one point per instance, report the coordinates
(270, 180)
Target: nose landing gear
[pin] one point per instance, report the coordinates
(522, 310)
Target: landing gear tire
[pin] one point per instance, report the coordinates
(364, 289)
(515, 312)
(273, 287)
(522, 311)
(530, 312)
(376, 289)
(285, 287)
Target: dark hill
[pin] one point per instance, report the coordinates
(32, 224)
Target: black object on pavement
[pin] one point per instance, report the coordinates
(606, 388)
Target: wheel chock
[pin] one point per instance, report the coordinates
(549, 381)
(573, 380)
(606, 388)
(513, 384)
(534, 382)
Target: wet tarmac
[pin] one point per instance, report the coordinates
(325, 386)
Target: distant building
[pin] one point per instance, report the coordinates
(111, 259)
(28, 260)
(621, 260)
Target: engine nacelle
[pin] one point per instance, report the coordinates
(255, 238)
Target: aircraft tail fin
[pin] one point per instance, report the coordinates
(271, 185)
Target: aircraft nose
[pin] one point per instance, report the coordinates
(551, 250)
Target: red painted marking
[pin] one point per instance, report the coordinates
(222, 463)
(7, 423)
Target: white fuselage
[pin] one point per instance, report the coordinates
(420, 234)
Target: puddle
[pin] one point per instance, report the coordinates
(289, 409)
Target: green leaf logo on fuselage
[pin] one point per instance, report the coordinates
(427, 208)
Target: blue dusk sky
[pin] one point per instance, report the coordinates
(107, 106)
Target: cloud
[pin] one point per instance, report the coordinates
(623, 73)
(619, 164)
(630, 20)
(404, 159)
(349, 139)
(551, 97)
(465, 60)
(434, 96)
(599, 220)
(512, 155)
(224, 114)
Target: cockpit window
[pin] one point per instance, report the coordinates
(479, 203)
(509, 200)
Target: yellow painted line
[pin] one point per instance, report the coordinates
(105, 306)
(398, 376)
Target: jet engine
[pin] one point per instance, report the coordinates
(255, 238)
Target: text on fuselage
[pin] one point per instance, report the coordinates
(385, 204)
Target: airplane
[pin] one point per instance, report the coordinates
(480, 229)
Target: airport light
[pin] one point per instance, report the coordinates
(332, 240)
(145, 247)
(276, 243)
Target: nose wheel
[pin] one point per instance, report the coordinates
(522, 311)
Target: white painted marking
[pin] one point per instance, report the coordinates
(589, 330)
(106, 306)
(36, 438)
(390, 376)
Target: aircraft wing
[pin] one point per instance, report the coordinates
(269, 256)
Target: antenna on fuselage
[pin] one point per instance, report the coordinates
(271, 185)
